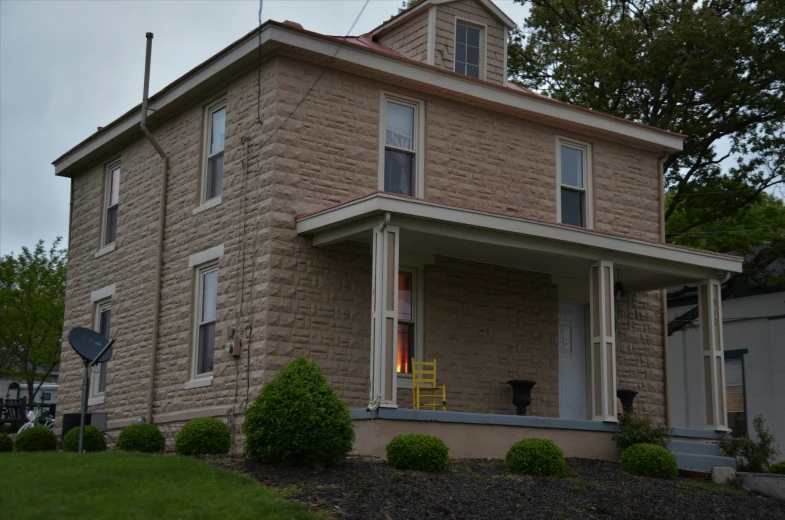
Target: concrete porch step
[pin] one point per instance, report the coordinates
(695, 448)
(703, 462)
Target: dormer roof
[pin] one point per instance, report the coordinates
(423, 6)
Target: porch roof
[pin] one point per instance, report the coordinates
(494, 238)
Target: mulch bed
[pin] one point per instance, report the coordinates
(366, 488)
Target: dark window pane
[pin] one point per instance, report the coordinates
(111, 225)
(206, 348)
(572, 207)
(460, 52)
(215, 174)
(473, 36)
(472, 71)
(102, 377)
(460, 68)
(105, 322)
(460, 34)
(571, 166)
(473, 55)
(405, 347)
(398, 172)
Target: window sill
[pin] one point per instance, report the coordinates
(208, 204)
(198, 383)
(105, 250)
(96, 400)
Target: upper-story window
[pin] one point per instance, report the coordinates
(468, 49)
(112, 199)
(574, 202)
(212, 180)
(401, 157)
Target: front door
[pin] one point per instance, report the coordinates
(572, 361)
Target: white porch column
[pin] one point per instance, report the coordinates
(603, 342)
(710, 311)
(384, 316)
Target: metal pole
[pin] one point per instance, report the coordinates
(85, 392)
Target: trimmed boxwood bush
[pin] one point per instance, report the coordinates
(649, 460)
(141, 437)
(297, 419)
(6, 444)
(635, 429)
(418, 452)
(535, 456)
(93, 439)
(778, 468)
(35, 439)
(205, 436)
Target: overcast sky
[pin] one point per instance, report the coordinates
(67, 67)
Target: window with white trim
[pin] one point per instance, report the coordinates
(215, 136)
(574, 202)
(468, 49)
(103, 322)
(401, 147)
(111, 203)
(204, 329)
(407, 320)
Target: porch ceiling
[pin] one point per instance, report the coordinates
(493, 238)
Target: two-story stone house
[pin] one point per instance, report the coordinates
(363, 201)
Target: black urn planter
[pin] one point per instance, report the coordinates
(521, 394)
(626, 397)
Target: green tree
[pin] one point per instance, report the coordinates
(713, 70)
(32, 306)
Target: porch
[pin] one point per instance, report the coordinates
(556, 300)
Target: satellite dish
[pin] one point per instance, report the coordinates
(89, 344)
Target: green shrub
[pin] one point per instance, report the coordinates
(93, 439)
(778, 468)
(752, 455)
(533, 456)
(37, 438)
(418, 452)
(649, 460)
(297, 419)
(6, 444)
(634, 429)
(6, 428)
(141, 437)
(205, 436)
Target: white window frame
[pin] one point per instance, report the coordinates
(483, 44)
(204, 202)
(96, 395)
(418, 183)
(418, 302)
(204, 379)
(106, 247)
(587, 178)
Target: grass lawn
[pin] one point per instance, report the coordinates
(119, 486)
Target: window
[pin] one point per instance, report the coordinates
(103, 326)
(573, 171)
(401, 160)
(406, 320)
(112, 199)
(468, 49)
(206, 299)
(214, 152)
(735, 392)
(46, 396)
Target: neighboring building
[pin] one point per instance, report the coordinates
(17, 389)
(754, 349)
(414, 204)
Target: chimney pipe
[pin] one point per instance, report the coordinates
(161, 220)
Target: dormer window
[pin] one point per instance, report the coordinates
(468, 49)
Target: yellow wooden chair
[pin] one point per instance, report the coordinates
(427, 395)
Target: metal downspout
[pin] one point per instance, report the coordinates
(161, 219)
